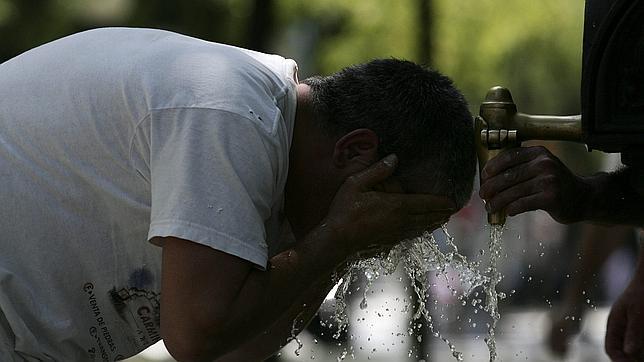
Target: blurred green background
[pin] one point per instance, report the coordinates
(533, 47)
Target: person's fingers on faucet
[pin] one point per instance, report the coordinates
(510, 158)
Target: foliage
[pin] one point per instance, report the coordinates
(533, 47)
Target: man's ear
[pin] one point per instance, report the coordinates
(356, 149)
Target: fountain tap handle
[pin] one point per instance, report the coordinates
(495, 132)
(499, 126)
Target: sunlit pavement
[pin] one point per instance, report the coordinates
(382, 337)
(522, 343)
(520, 336)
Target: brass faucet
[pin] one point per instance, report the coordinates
(499, 127)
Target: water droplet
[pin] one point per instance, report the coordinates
(363, 304)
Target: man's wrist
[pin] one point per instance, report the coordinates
(591, 197)
(321, 250)
(612, 199)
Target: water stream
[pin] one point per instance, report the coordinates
(492, 297)
(419, 257)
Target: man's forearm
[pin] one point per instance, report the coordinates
(267, 342)
(292, 321)
(269, 299)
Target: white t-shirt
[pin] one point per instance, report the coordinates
(114, 136)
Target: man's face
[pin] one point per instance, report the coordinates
(312, 179)
(319, 163)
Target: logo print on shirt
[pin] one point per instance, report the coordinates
(140, 309)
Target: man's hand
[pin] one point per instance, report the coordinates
(531, 178)
(625, 329)
(363, 218)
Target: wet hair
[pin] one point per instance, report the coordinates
(417, 113)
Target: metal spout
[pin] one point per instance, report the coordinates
(499, 127)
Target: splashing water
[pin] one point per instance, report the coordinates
(491, 295)
(420, 256)
(294, 332)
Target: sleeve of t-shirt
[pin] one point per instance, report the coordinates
(213, 177)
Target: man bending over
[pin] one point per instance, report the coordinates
(160, 186)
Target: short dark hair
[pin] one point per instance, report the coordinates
(417, 113)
